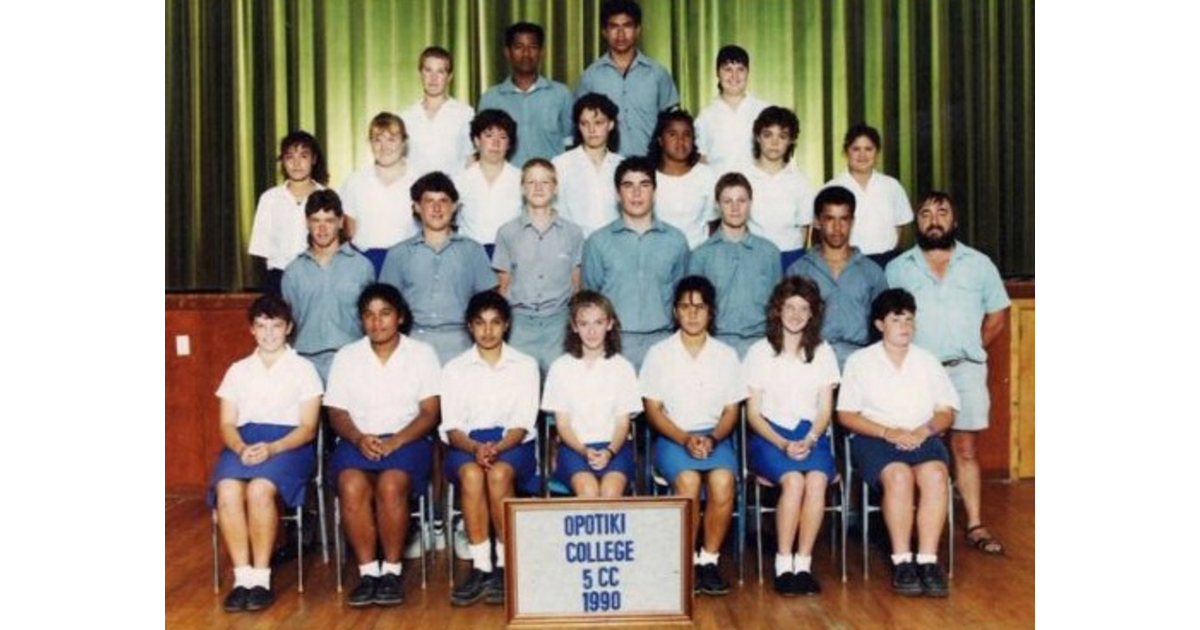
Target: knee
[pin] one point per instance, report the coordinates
(353, 490)
(470, 478)
(963, 444)
(896, 477)
(721, 484)
(230, 492)
(815, 483)
(499, 478)
(393, 484)
(933, 477)
(791, 485)
(260, 494)
(687, 484)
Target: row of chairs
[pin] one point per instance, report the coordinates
(838, 505)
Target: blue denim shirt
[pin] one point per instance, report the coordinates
(437, 284)
(638, 272)
(744, 273)
(324, 300)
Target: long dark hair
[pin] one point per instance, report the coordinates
(572, 342)
(810, 337)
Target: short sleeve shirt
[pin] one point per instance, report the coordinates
(382, 212)
(693, 390)
(324, 299)
(879, 209)
(542, 113)
(783, 203)
(441, 143)
(280, 231)
(592, 395)
(902, 397)
(724, 135)
(477, 395)
(438, 283)
(586, 194)
(848, 298)
(485, 206)
(686, 202)
(638, 272)
(791, 387)
(744, 273)
(270, 395)
(540, 263)
(383, 398)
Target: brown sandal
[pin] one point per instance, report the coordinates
(985, 544)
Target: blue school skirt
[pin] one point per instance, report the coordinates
(871, 455)
(290, 471)
(766, 460)
(569, 462)
(670, 458)
(415, 459)
(522, 457)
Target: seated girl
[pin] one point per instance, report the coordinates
(593, 392)
(791, 375)
(269, 406)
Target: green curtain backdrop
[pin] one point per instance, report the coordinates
(949, 83)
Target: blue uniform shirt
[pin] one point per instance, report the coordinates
(847, 298)
(950, 311)
(437, 284)
(540, 263)
(324, 300)
(638, 272)
(640, 93)
(744, 273)
(543, 116)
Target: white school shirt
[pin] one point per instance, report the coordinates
(900, 398)
(586, 196)
(280, 230)
(592, 395)
(383, 398)
(270, 395)
(878, 210)
(485, 207)
(382, 212)
(725, 136)
(687, 202)
(476, 395)
(693, 390)
(441, 143)
(782, 204)
(791, 388)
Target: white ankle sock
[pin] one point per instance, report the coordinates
(499, 556)
(707, 558)
(482, 555)
(394, 568)
(803, 564)
(898, 558)
(370, 569)
(927, 558)
(261, 577)
(243, 576)
(783, 564)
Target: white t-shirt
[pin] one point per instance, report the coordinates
(382, 212)
(441, 143)
(476, 395)
(280, 230)
(592, 395)
(485, 207)
(383, 398)
(586, 195)
(725, 136)
(693, 390)
(687, 202)
(791, 388)
(782, 204)
(878, 210)
(900, 398)
(270, 395)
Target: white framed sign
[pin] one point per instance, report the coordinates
(585, 561)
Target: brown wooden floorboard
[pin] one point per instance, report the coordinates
(986, 592)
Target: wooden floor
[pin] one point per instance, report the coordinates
(986, 592)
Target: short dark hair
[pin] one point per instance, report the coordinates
(635, 164)
(654, 152)
(301, 138)
(271, 306)
(612, 8)
(435, 181)
(601, 103)
(859, 130)
(497, 119)
(707, 292)
(393, 297)
(489, 300)
(939, 197)
(730, 180)
(834, 196)
(324, 199)
(572, 343)
(510, 33)
(732, 53)
(775, 116)
(892, 301)
(436, 52)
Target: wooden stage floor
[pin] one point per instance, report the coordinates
(986, 591)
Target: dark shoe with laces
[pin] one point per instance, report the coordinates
(235, 601)
(364, 593)
(711, 582)
(933, 580)
(785, 584)
(494, 592)
(905, 579)
(472, 589)
(806, 583)
(389, 590)
(260, 597)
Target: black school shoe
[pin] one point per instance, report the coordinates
(785, 584)
(905, 579)
(493, 593)
(389, 590)
(806, 584)
(235, 601)
(364, 593)
(472, 589)
(711, 582)
(260, 598)
(933, 580)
